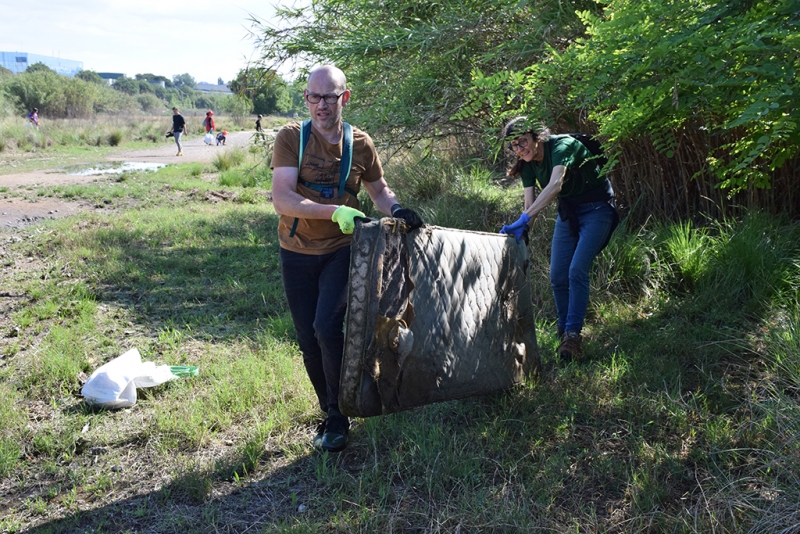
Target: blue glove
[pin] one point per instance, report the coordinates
(517, 228)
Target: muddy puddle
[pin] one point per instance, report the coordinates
(109, 167)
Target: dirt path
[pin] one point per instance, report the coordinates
(17, 211)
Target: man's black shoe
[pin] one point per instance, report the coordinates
(334, 438)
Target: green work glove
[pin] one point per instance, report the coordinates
(345, 217)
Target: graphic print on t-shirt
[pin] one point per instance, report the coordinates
(325, 172)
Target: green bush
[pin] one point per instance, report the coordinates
(115, 138)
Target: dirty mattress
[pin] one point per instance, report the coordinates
(434, 314)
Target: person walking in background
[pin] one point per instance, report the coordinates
(314, 233)
(178, 128)
(259, 137)
(208, 124)
(564, 169)
(33, 118)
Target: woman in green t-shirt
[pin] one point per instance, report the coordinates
(565, 170)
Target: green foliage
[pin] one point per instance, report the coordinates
(150, 102)
(39, 67)
(126, 85)
(268, 92)
(727, 68)
(239, 107)
(409, 63)
(184, 81)
(90, 76)
(662, 70)
(52, 94)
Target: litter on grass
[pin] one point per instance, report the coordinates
(113, 385)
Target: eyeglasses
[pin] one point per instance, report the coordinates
(331, 98)
(519, 144)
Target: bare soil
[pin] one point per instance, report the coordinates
(16, 211)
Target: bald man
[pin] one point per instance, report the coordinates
(314, 234)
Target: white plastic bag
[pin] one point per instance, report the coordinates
(209, 138)
(113, 385)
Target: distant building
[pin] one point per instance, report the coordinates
(216, 88)
(109, 77)
(17, 62)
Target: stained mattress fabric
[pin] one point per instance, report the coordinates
(434, 314)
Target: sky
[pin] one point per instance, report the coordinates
(207, 39)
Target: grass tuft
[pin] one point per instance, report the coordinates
(228, 159)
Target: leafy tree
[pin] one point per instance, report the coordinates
(220, 82)
(160, 92)
(665, 71)
(265, 88)
(408, 62)
(238, 106)
(90, 76)
(53, 94)
(126, 85)
(183, 81)
(145, 87)
(39, 67)
(150, 102)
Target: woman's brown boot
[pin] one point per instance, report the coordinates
(570, 348)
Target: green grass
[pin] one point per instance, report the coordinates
(684, 418)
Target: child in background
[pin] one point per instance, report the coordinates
(222, 137)
(33, 118)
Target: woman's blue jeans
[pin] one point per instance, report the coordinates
(316, 289)
(571, 259)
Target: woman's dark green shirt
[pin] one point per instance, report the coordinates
(582, 171)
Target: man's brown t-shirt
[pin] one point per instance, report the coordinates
(320, 165)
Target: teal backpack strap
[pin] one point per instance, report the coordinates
(344, 166)
(305, 135)
(347, 157)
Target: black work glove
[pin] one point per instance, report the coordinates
(413, 220)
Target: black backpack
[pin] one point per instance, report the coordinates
(591, 144)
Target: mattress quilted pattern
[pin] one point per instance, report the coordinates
(433, 315)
